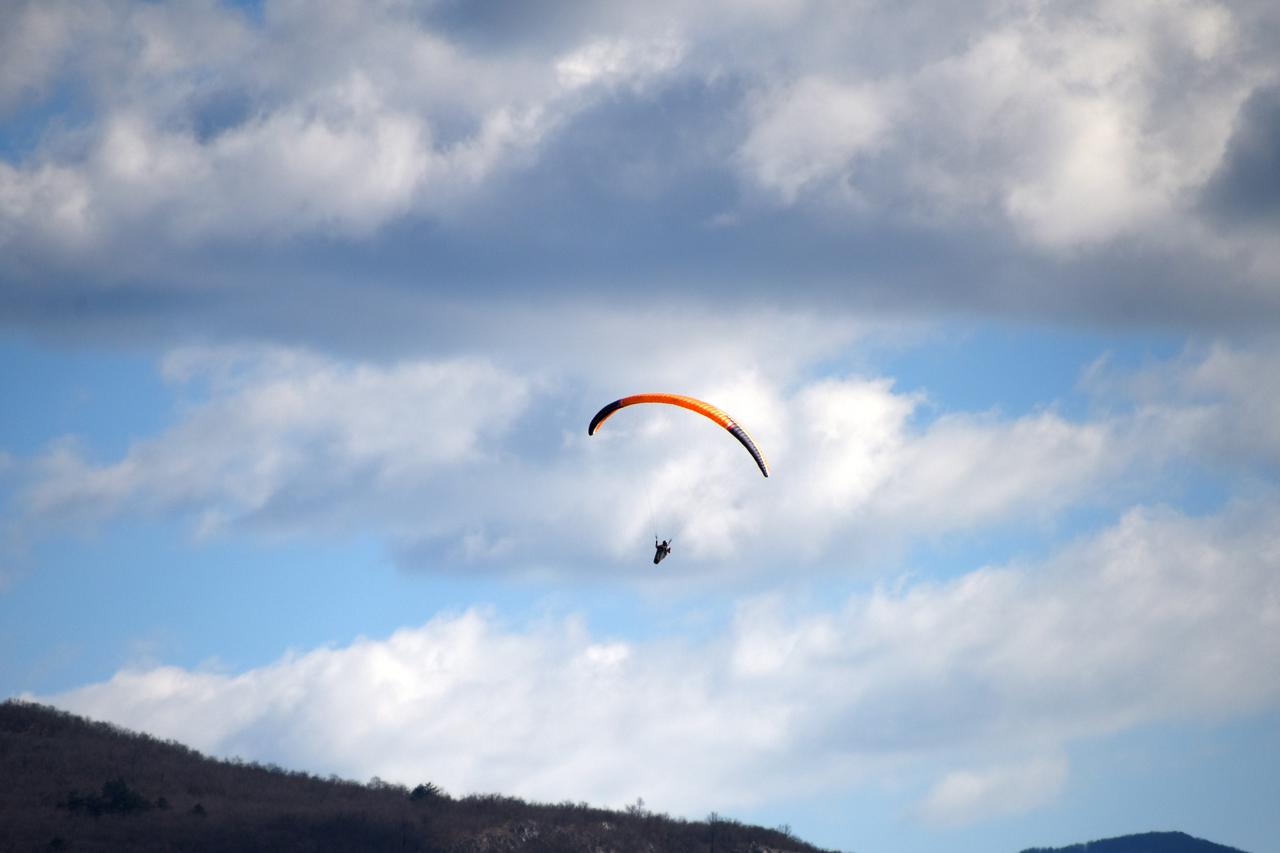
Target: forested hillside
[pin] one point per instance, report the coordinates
(67, 783)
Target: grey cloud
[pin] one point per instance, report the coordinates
(495, 26)
(214, 112)
(35, 44)
(1245, 189)
(999, 169)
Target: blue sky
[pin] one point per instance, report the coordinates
(302, 320)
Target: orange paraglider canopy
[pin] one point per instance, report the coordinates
(692, 404)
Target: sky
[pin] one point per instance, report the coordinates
(305, 309)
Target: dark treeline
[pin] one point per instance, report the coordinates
(67, 783)
(1147, 842)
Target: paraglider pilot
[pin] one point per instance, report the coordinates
(662, 549)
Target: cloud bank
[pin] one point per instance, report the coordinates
(1071, 162)
(466, 462)
(472, 462)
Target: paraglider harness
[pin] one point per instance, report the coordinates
(662, 549)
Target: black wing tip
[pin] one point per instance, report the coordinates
(601, 415)
(741, 434)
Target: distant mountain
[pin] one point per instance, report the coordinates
(1147, 842)
(70, 784)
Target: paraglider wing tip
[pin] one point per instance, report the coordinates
(741, 434)
(601, 415)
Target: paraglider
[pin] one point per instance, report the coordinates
(663, 549)
(705, 409)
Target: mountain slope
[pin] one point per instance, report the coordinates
(68, 783)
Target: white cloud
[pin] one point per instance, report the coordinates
(1163, 618)
(476, 460)
(341, 162)
(363, 114)
(1215, 402)
(610, 60)
(967, 796)
(1075, 127)
(48, 205)
(287, 428)
(1063, 120)
(807, 134)
(334, 124)
(349, 168)
(465, 460)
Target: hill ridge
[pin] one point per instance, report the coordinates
(1143, 842)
